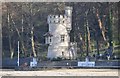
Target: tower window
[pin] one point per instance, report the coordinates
(58, 21)
(62, 38)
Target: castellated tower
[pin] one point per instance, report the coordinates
(58, 37)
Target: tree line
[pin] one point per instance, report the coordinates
(94, 26)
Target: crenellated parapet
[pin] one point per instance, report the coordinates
(57, 19)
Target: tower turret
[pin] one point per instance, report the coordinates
(68, 13)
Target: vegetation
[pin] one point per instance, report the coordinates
(94, 27)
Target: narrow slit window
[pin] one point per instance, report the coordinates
(62, 38)
(50, 40)
(62, 54)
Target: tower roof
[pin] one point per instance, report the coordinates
(68, 7)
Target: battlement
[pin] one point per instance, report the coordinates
(57, 19)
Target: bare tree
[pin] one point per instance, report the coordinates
(101, 25)
(87, 34)
(32, 31)
(10, 30)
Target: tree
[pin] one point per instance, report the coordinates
(10, 30)
(87, 35)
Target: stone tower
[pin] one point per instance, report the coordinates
(58, 37)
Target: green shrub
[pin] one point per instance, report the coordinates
(57, 59)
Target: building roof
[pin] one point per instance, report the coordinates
(48, 34)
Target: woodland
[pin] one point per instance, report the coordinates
(95, 27)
